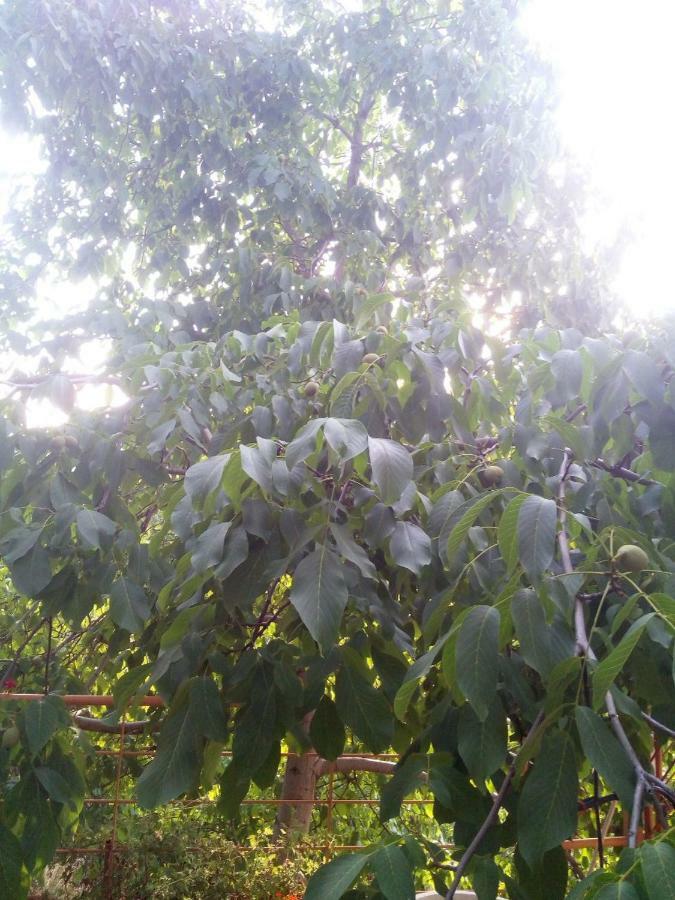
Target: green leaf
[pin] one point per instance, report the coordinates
(208, 709)
(392, 467)
(460, 531)
(485, 878)
(477, 658)
(326, 730)
(32, 572)
(507, 533)
(319, 595)
(42, 719)
(56, 786)
(547, 809)
(255, 731)
(234, 784)
(536, 535)
(304, 443)
(13, 877)
(567, 370)
(662, 439)
(208, 549)
(547, 880)
(347, 437)
(605, 754)
(406, 778)
(204, 477)
(334, 879)
(177, 763)
(393, 872)
(414, 675)
(257, 463)
(352, 551)
(363, 708)
(482, 745)
(410, 547)
(658, 869)
(94, 527)
(368, 306)
(644, 375)
(129, 605)
(665, 605)
(534, 634)
(609, 668)
(619, 890)
(18, 542)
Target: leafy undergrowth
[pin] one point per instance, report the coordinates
(173, 864)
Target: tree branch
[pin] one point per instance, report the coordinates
(346, 764)
(622, 472)
(88, 723)
(658, 726)
(644, 780)
(489, 819)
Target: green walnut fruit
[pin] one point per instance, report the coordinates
(630, 558)
(370, 358)
(311, 389)
(10, 737)
(382, 329)
(491, 475)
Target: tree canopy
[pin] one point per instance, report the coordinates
(377, 452)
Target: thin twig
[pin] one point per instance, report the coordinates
(658, 726)
(48, 654)
(489, 819)
(622, 472)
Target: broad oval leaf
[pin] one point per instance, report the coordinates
(477, 658)
(175, 768)
(536, 535)
(658, 869)
(392, 467)
(334, 879)
(547, 809)
(609, 668)
(42, 719)
(410, 547)
(347, 437)
(319, 595)
(326, 730)
(393, 872)
(605, 754)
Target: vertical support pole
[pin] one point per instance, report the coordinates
(111, 844)
(329, 813)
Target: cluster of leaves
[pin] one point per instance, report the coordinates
(332, 489)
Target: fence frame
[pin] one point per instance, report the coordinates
(110, 848)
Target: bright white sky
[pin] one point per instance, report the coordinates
(616, 75)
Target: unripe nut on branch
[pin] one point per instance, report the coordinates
(630, 558)
(491, 475)
(311, 389)
(370, 358)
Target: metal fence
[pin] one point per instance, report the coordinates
(613, 832)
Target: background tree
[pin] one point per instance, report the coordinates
(375, 459)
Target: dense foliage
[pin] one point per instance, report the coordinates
(374, 459)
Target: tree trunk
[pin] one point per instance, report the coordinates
(299, 784)
(302, 771)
